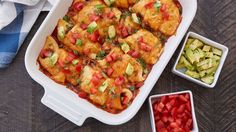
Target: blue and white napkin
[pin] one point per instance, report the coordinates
(16, 19)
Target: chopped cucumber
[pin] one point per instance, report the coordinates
(195, 44)
(190, 56)
(61, 33)
(206, 48)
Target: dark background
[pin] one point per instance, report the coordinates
(22, 111)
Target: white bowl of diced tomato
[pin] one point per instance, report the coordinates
(173, 112)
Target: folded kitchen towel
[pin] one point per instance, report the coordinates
(16, 19)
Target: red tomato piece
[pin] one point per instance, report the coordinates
(78, 68)
(181, 108)
(83, 26)
(95, 80)
(61, 63)
(164, 119)
(82, 94)
(163, 8)
(174, 112)
(139, 84)
(164, 99)
(125, 100)
(160, 107)
(111, 15)
(182, 98)
(135, 54)
(70, 57)
(78, 6)
(45, 53)
(187, 96)
(140, 39)
(108, 58)
(145, 47)
(124, 32)
(119, 81)
(72, 39)
(114, 56)
(110, 71)
(100, 40)
(94, 36)
(160, 124)
(65, 71)
(174, 125)
(93, 90)
(149, 5)
(165, 16)
(93, 17)
(189, 123)
(188, 106)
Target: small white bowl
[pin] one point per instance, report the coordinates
(207, 42)
(153, 98)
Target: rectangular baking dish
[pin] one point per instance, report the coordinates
(66, 102)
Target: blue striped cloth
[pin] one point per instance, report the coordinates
(13, 33)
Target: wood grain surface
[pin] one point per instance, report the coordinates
(22, 111)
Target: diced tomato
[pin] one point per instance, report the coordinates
(78, 67)
(168, 106)
(160, 124)
(125, 100)
(100, 40)
(124, 32)
(188, 106)
(164, 119)
(114, 56)
(98, 75)
(164, 99)
(165, 16)
(181, 108)
(145, 47)
(95, 80)
(83, 26)
(187, 96)
(119, 81)
(93, 17)
(135, 54)
(174, 112)
(182, 98)
(189, 123)
(163, 8)
(61, 63)
(72, 39)
(65, 71)
(173, 96)
(94, 36)
(70, 57)
(78, 6)
(140, 39)
(93, 90)
(160, 107)
(149, 5)
(111, 15)
(75, 35)
(108, 58)
(45, 53)
(110, 71)
(139, 84)
(82, 94)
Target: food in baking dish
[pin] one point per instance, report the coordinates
(104, 50)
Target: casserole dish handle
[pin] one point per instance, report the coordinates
(63, 106)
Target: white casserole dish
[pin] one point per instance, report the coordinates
(66, 102)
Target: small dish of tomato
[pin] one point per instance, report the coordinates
(173, 112)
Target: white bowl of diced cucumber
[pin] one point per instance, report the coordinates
(200, 60)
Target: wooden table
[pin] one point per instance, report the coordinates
(21, 109)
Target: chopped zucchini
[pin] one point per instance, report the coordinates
(187, 64)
